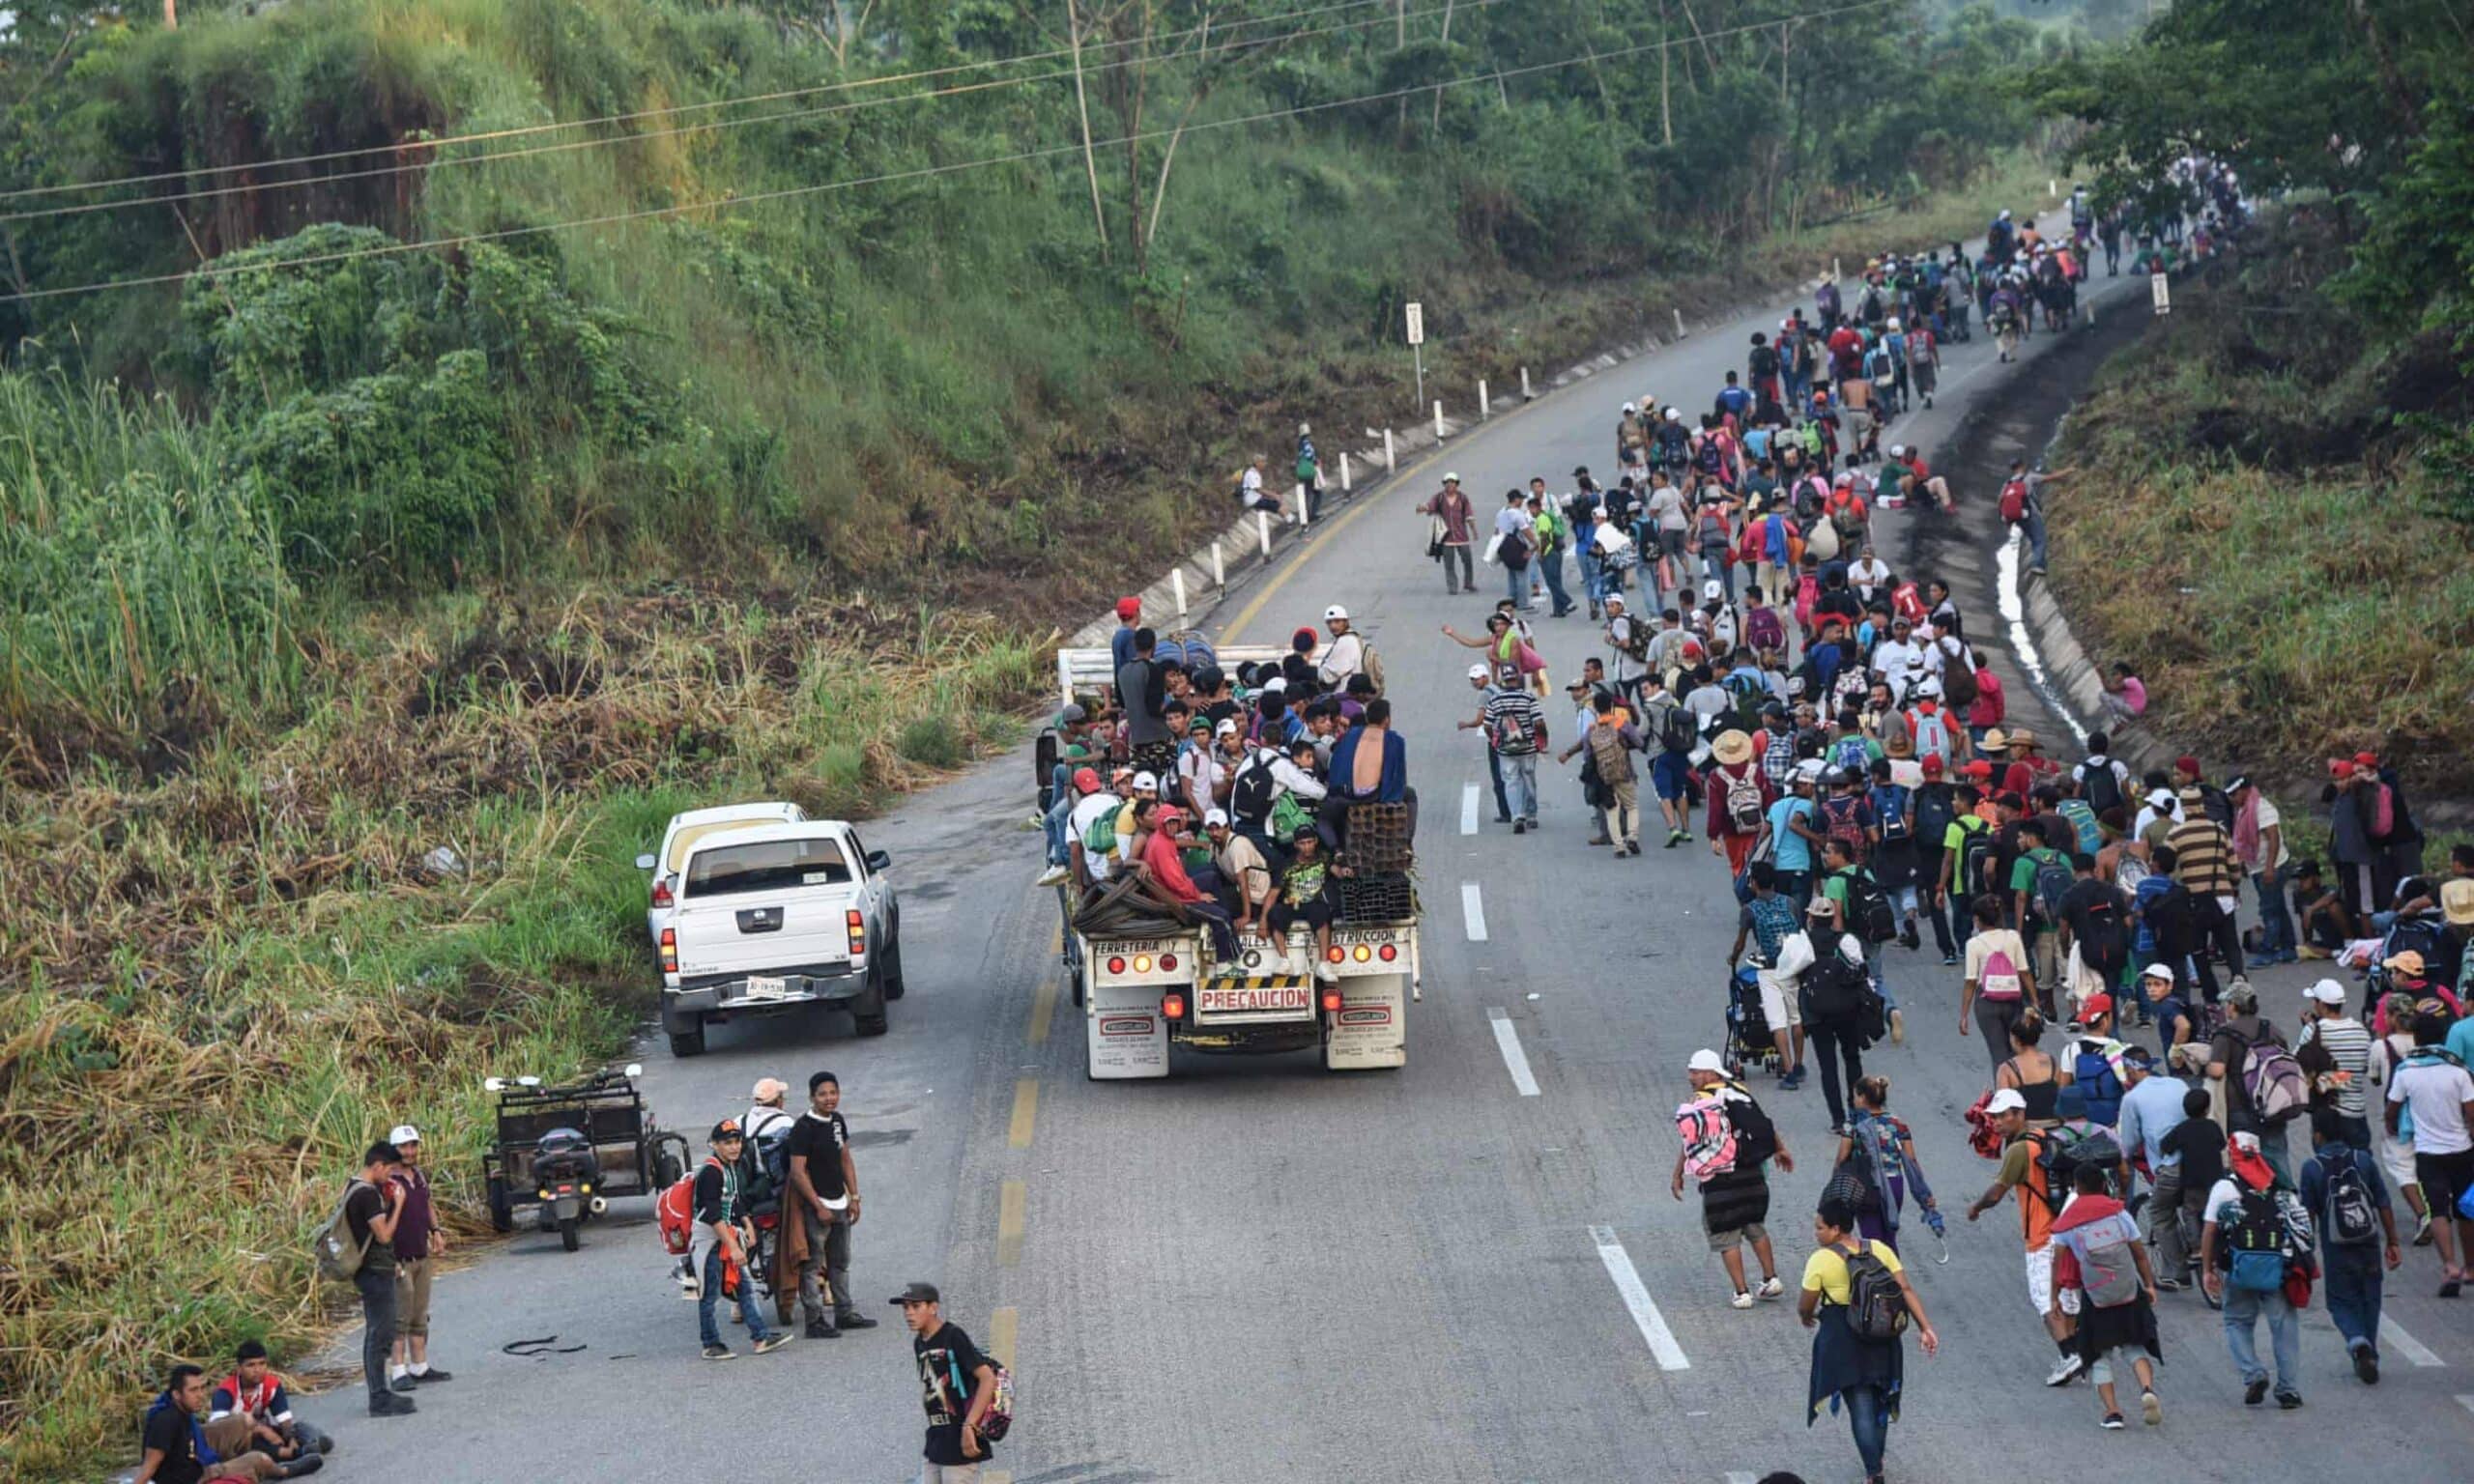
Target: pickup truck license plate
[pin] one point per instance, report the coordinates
(766, 987)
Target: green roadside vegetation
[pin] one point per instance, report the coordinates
(2276, 518)
(362, 612)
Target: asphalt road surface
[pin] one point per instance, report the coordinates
(1256, 1270)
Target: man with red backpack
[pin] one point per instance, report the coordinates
(727, 1262)
(2022, 507)
(1727, 1141)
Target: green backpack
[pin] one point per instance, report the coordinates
(1100, 838)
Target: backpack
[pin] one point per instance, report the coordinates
(2381, 818)
(1370, 665)
(2099, 784)
(2014, 500)
(1973, 851)
(2108, 1272)
(1893, 817)
(2092, 1072)
(1932, 734)
(1101, 837)
(1250, 794)
(2053, 882)
(675, 1212)
(2255, 1243)
(1679, 730)
(1959, 689)
(1846, 824)
(1869, 915)
(1934, 808)
(2082, 825)
(1515, 548)
(1982, 1135)
(1711, 1143)
(998, 1419)
(2352, 1214)
(339, 1257)
(1762, 629)
(1848, 752)
(1744, 812)
(2062, 1151)
(1876, 1306)
(1635, 643)
(1833, 989)
(1511, 732)
(2273, 1083)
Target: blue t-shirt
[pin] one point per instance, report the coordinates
(1793, 852)
(2171, 1012)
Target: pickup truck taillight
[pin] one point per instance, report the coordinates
(670, 950)
(1330, 1002)
(661, 893)
(858, 931)
(1172, 1005)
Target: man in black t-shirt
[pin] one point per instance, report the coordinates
(172, 1445)
(2096, 921)
(956, 1385)
(372, 1207)
(824, 1186)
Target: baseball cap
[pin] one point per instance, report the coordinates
(1215, 817)
(1150, 781)
(1477, 671)
(1277, 683)
(2327, 993)
(767, 1089)
(1451, 479)
(2097, 1004)
(1705, 1060)
(1073, 712)
(1335, 611)
(1129, 608)
(1822, 906)
(918, 1293)
(405, 1133)
(1932, 764)
(2006, 1099)
(2237, 783)
(2157, 971)
(1087, 780)
(1228, 728)
(727, 1129)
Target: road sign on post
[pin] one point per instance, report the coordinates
(2161, 293)
(1416, 326)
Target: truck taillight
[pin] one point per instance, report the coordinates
(1335, 956)
(858, 924)
(1172, 1005)
(1167, 964)
(1116, 965)
(661, 893)
(1330, 1002)
(1363, 953)
(1387, 953)
(670, 950)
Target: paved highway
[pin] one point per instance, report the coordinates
(1466, 1270)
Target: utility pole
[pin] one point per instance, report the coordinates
(1082, 101)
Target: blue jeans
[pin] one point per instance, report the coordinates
(1873, 971)
(2034, 530)
(1519, 773)
(751, 1305)
(2242, 1311)
(1715, 568)
(1552, 563)
(1516, 584)
(1054, 821)
(2352, 1275)
(2276, 921)
(1495, 771)
(1868, 1417)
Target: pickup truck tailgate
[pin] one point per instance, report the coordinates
(761, 905)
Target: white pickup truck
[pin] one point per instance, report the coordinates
(775, 916)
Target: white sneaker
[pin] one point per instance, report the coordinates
(1772, 1288)
(1327, 974)
(2061, 1374)
(1054, 875)
(1741, 1301)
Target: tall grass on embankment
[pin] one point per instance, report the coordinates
(2265, 528)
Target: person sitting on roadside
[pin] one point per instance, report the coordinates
(251, 1411)
(173, 1446)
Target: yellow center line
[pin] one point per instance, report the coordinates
(1001, 1327)
(1010, 1203)
(1043, 1011)
(1026, 1111)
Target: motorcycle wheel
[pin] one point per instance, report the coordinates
(568, 1235)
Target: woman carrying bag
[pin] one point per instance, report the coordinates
(1857, 1301)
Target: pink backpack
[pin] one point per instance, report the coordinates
(1708, 1137)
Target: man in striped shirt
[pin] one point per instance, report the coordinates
(2204, 863)
(1516, 728)
(2340, 1068)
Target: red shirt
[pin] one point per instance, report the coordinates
(1717, 790)
(1168, 869)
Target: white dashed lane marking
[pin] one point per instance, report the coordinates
(1636, 1299)
(1469, 809)
(1473, 910)
(1515, 1060)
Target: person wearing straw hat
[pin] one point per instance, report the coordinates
(1739, 800)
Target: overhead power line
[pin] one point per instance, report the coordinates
(527, 130)
(647, 213)
(606, 141)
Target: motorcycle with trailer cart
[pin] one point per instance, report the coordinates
(564, 1152)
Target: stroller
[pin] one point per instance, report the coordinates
(1749, 1041)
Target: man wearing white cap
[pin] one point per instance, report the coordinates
(1345, 655)
(418, 1240)
(1727, 1140)
(2025, 1172)
(2333, 1050)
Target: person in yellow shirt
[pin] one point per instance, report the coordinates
(1863, 1376)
